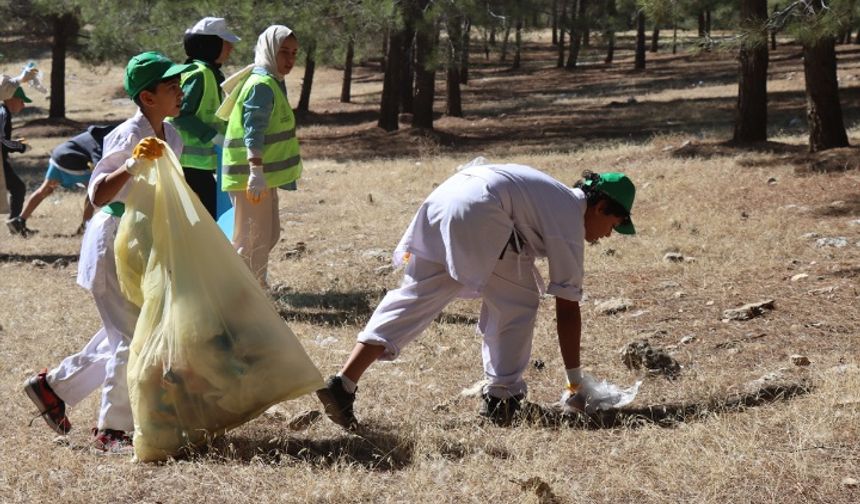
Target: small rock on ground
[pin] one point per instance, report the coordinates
(613, 306)
(640, 354)
(748, 311)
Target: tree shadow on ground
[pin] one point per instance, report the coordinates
(57, 260)
(325, 308)
(850, 207)
(373, 448)
(663, 415)
(341, 308)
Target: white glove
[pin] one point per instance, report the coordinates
(136, 166)
(27, 75)
(590, 394)
(218, 140)
(580, 390)
(256, 184)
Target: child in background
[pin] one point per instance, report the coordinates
(70, 165)
(261, 152)
(8, 86)
(208, 45)
(478, 234)
(17, 190)
(152, 81)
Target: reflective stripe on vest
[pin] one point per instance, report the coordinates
(282, 162)
(197, 153)
(268, 139)
(245, 169)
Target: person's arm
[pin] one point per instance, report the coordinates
(110, 186)
(257, 112)
(143, 154)
(14, 145)
(187, 121)
(569, 327)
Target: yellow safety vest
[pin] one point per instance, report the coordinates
(282, 162)
(197, 153)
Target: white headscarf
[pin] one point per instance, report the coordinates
(266, 50)
(265, 56)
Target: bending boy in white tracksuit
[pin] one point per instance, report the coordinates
(152, 81)
(478, 233)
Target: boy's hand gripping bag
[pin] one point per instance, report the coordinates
(209, 350)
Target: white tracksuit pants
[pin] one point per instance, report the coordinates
(78, 375)
(510, 303)
(104, 359)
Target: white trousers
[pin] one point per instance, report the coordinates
(256, 230)
(510, 303)
(104, 359)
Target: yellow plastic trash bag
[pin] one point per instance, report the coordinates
(209, 350)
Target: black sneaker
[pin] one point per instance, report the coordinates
(501, 412)
(338, 402)
(16, 225)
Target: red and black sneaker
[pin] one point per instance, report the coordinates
(51, 407)
(110, 441)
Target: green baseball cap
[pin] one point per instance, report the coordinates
(148, 68)
(621, 189)
(19, 93)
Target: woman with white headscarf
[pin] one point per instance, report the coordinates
(261, 152)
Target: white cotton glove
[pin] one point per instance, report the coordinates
(218, 140)
(585, 393)
(256, 184)
(27, 75)
(579, 390)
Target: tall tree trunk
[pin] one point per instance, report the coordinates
(823, 110)
(562, 24)
(346, 88)
(610, 47)
(65, 28)
(425, 74)
(576, 34)
(407, 68)
(708, 21)
(674, 37)
(464, 58)
(639, 63)
(773, 32)
(655, 39)
(389, 109)
(554, 15)
(493, 36)
(454, 104)
(308, 80)
(610, 33)
(751, 110)
(519, 44)
(504, 55)
(701, 21)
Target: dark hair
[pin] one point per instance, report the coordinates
(594, 196)
(202, 47)
(151, 89)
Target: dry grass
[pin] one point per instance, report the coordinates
(423, 442)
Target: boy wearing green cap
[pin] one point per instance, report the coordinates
(152, 81)
(17, 190)
(478, 234)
